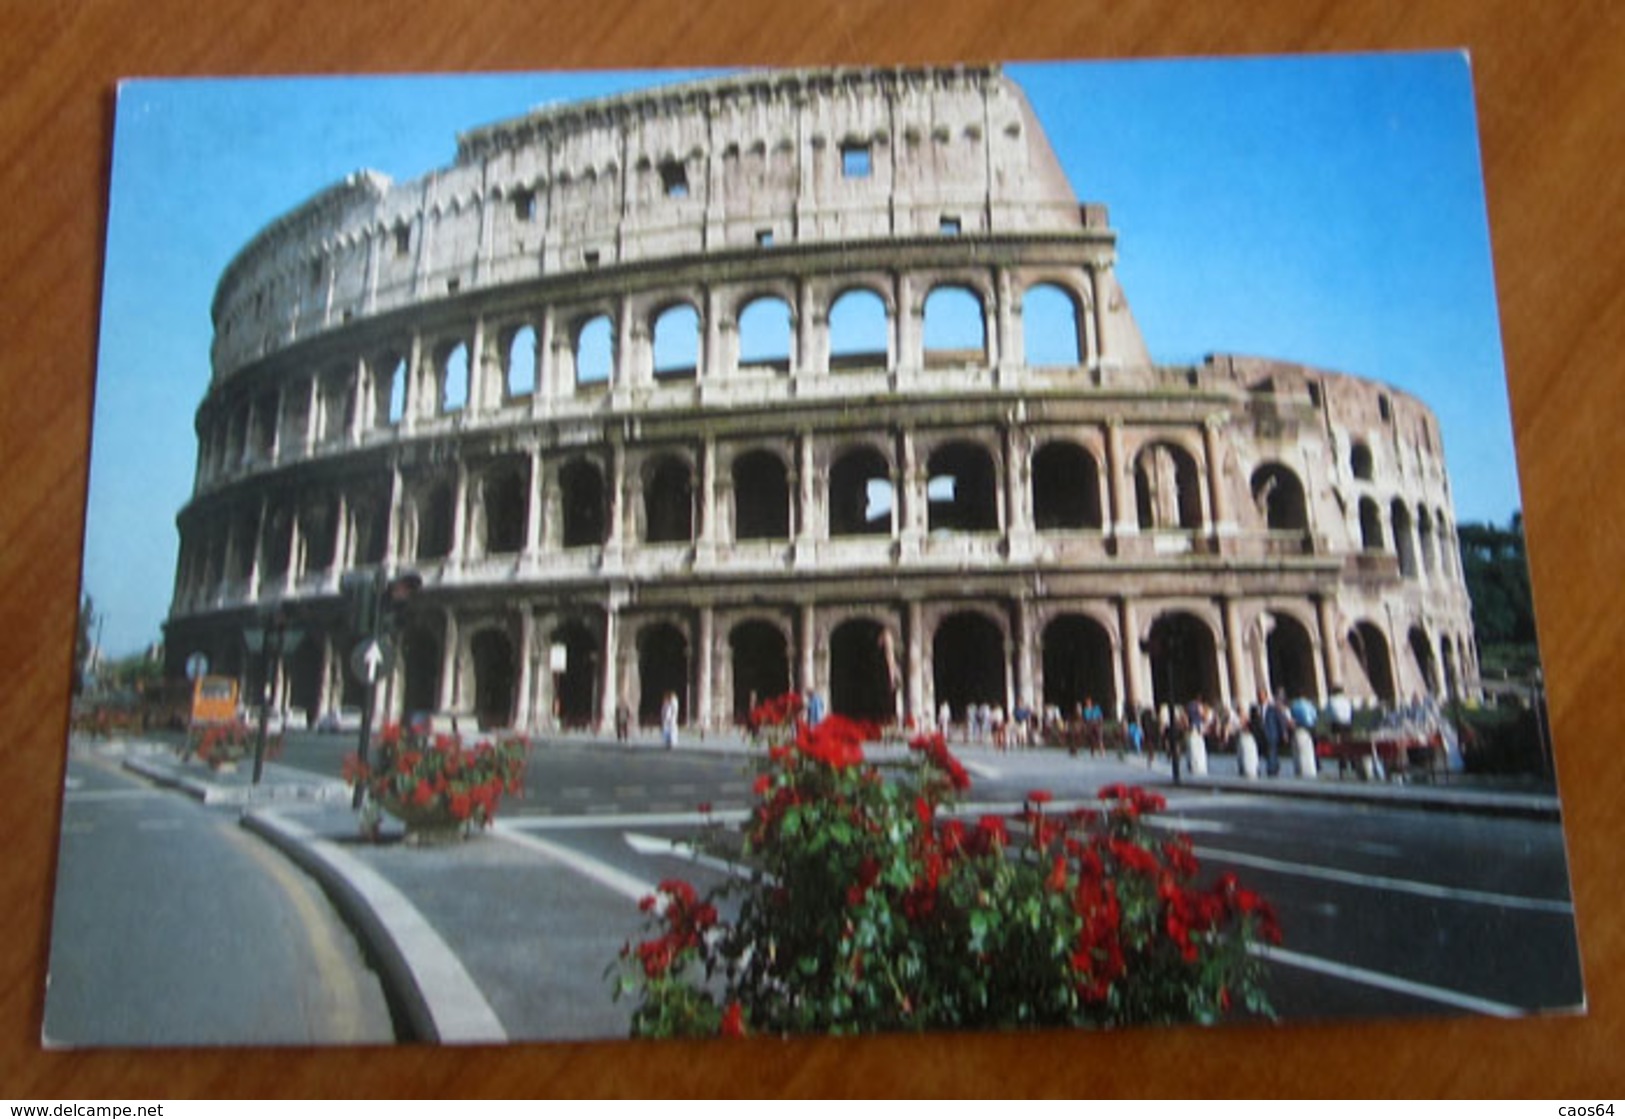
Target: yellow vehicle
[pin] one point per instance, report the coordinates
(214, 700)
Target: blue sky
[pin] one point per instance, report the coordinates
(1326, 209)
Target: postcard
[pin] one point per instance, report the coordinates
(759, 552)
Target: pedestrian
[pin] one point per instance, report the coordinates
(623, 721)
(945, 718)
(815, 708)
(668, 720)
(1277, 729)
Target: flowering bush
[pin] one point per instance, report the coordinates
(869, 906)
(422, 777)
(222, 744)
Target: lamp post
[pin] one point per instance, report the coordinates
(376, 606)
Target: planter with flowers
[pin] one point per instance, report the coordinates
(863, 902)
(438, 788)
(220, 746)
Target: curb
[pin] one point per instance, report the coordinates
(438, 998)
(1532, 806)
(319, 789)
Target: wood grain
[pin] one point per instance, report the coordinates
(1552, 104)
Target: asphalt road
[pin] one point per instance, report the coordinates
(172, 926)
(1386, 911)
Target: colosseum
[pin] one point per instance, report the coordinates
(798, 379)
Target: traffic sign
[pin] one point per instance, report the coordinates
(197, 666)
(372, 658)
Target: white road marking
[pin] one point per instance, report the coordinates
(611, 878)
(1386, 882)
(654, 845)
(1387, 982)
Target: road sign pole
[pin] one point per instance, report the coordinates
(372, 591)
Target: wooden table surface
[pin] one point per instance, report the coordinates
(1552, 103)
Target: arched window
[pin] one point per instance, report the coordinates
(503, 498)
(761, 665)
(1360, 462)
(1404, 540)
(494, 672)
(859, 333)
(581, 504)
(522, 363)
(1370, 525)
(453, 373)
(764, 334)
(1184, 664)
(962, 489)
(662, 670)
(434, 516)
(594, 353)
(668, 502)
(1066, 488)
(1049, 327)
(954, 333)
(761, 497)
(677, 343)
(860, 494)
(1167, 492)
(1279, 497)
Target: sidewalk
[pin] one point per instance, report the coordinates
(531, 966)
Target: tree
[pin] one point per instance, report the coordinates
(1496, 571)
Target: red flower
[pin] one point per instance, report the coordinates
(1040, 796)
(423, 794)
(733, 1021)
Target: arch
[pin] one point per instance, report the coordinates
(452, 370)
(434, 521)
(276, 545)
(1167, 489)
(662, 668)
(1184, 661)
(575, 690)
(337, 407)
(503, 498)
(860, 681)
(954, 332)
(594, 347)
(1078, 663)
(1049, 327)
(765, 336)
(962, 490)
(1289, 654)
(582, 504)
(304, 669)
(1279, 496)
(1370, 649)
(761, 665)
(859, 331)
(369, 519)
(521, 363)
(1370, 526)
(1066, 487)
(492, 655)
(676, 342)
(967, 661)
(1361, 464)
(1427, 668)
(420, 670)
(1424, 536)
(861, 498)
(668, 501)
(761, 497)
(1404, 540)
(318, 529)
(1452, 680)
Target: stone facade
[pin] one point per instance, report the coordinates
(796, 379)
